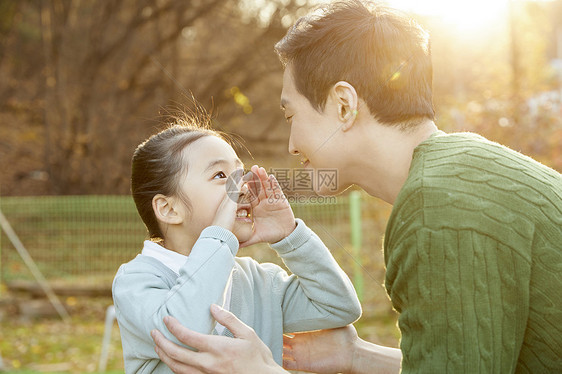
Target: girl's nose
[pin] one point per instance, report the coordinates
(242, 197)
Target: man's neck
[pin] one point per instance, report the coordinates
(386, 156)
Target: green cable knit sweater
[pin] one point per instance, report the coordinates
(473, 250)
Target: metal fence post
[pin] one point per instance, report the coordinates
(356, 240)
(1, 264)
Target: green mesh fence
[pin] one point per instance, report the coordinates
(70, 235)
(88, 236)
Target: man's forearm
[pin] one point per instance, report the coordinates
(371, 358)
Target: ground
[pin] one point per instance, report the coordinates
(49, 345)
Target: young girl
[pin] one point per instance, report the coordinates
(179, 185)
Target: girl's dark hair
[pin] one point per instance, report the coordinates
(158, 165)
(383, 53)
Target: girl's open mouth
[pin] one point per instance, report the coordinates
(244, 213)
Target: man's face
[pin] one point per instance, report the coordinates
(314, 136)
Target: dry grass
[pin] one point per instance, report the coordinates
(50, 345)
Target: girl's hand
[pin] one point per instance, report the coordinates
(273, 217)
(226, 212)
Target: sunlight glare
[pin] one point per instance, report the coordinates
(462, 15)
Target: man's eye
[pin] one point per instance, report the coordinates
(219, 175)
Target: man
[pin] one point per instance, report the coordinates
(473, 247)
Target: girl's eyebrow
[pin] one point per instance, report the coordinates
(222, 161)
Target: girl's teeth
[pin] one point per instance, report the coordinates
(242, 213)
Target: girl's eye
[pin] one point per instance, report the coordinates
(219, 175)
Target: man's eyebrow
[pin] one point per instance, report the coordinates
(223, 161)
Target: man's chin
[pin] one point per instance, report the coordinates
(325, 191)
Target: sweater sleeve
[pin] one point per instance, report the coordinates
(143, 298)
(462, 295)
(318, 295)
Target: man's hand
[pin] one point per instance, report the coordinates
(338, 351)
(245, 353)
(323, 351)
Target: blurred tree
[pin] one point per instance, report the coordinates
(83, 83)
(98, 73)
(483, 84)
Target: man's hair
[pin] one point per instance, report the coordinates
(384, 54)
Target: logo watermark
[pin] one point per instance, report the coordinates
(299, 185)
(310, 199)
(306, 180)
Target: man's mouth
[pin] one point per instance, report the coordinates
(305, 161)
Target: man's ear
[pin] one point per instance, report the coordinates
(165, 210)
(346, 99)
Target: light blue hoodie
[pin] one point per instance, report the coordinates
(318, 295)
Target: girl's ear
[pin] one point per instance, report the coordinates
(164, 210)
(346, 99)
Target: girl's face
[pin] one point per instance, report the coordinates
(211, 160)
